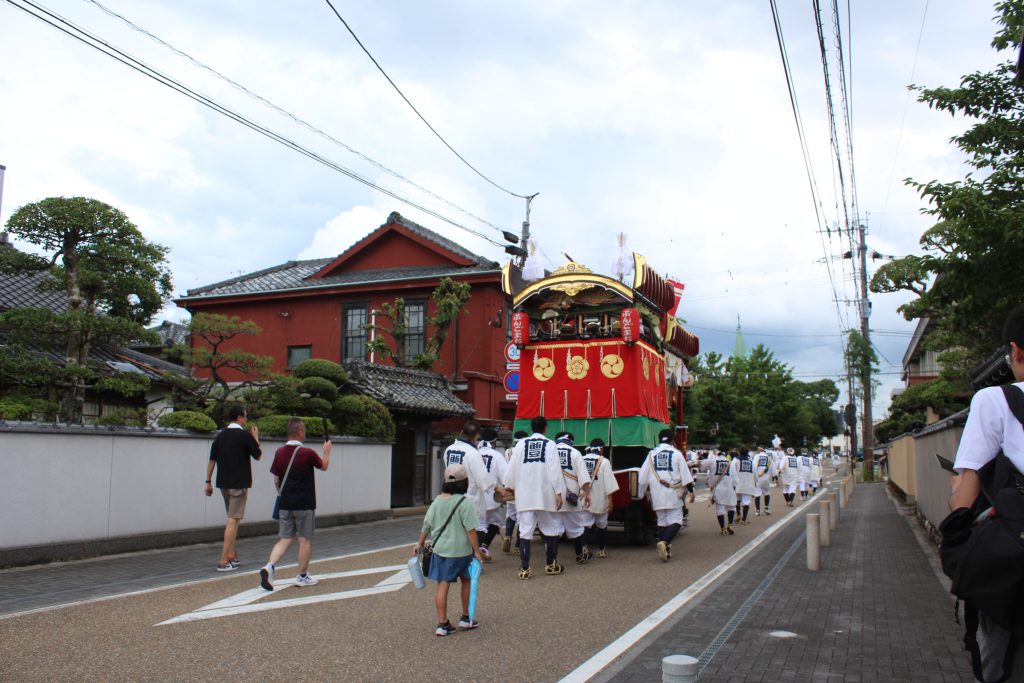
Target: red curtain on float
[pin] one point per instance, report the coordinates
(588, 379)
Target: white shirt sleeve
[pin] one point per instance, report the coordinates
(983, 434)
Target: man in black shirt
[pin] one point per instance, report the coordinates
(230, 454)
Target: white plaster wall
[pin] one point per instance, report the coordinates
(65, 486)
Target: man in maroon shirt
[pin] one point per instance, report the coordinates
(293, 471)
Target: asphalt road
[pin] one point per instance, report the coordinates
(535, 630)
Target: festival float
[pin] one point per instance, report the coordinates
(603, 358)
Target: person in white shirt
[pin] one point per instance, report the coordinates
(803, 474)
(723, 495)
(510, 504)
(789, 476)
(815, 480)
(496, 465)
(602, 487)
(464, 452)
(665, 475)
(778, 455)
(577, 487)
(764, 473)
(536, 479)
(741, 471)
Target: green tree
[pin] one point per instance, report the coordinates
(969, 276)
(450, 299)
(113, 280)
(908, 410)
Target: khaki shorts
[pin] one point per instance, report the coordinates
(234, 502)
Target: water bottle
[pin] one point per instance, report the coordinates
(416, 572)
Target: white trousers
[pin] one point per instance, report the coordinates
(744, 499)
(670, 516)
(724, 509)
(600, 520)
(803, 486)
(789, 488)
(495, 516)
(549, 523)
(575, 522)
(510, 511)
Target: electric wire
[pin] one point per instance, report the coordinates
(415, 110)
(106, 48)
(283, 112)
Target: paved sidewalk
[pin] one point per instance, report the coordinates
(875, 612)
(59, 583)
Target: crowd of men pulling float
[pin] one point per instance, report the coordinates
(546, 485)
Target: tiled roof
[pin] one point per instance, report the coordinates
(101, 357)
(171, 333)
(22, 291)
(294, 275)
(407, 391)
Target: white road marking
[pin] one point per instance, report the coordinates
(221, 577)
(593, 666)
(246, 602)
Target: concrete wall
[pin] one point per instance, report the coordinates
(933, 491)
(74, 484)
(902, 467)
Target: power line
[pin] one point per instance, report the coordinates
(411, 106)
(106, 48)
(280, 110)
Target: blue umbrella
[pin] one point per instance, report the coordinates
(475, 569)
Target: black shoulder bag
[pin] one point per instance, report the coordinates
(428, 547)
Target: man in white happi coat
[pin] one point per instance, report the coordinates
(602, 486)
(665, 475)
(815, 480)
(722, 493)
(804, 467)
(577, 484)
(744, 481)
(496, 465)
(510, 504)
(539, 488)
(464, 452)
(764, 473)
(789, 476)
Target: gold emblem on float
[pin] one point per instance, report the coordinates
(577, 367)
(647, 368)
(612, 366)
(543, 369)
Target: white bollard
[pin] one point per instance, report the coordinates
(833, 511)
(679, 669)
(813, 547)
(842, 497)
(823, 527)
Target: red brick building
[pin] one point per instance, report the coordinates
(319, 309)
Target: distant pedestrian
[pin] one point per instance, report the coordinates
(804, 474)
(764, 473)
(723, 495)
(495, 463)
(539, 487)
(665, 475)
(451, 523)
(602, 487)
(510, 504)
(744, 481)
(295, 480)
(231, 454)
(789, 476)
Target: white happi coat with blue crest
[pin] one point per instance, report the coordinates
(664, 463)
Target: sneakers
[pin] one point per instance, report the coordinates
(267, 577)
(553, 569)
(228, 567)
(306, 580)
(767, 512)
(601, 552)
(506, 545)
(444, 629)
(234, 562)
(465, 623)
(663, 551)
(486, 553)
(729, 530)
(757, 513)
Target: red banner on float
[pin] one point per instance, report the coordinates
(590, 379)
(630, 325)
(520, 328)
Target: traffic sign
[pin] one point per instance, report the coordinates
(512, 353)
(511, 381)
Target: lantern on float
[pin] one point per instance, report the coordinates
(630, 325)
(520, 328)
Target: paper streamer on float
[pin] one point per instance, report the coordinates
(475, 569)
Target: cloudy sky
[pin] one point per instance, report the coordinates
(668, 121)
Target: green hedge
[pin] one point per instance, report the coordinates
(277, 425)
(14, 410)
(188, 419)
(364, 416)
(318, 367)
(319, 387)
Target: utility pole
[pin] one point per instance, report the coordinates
(868, 440)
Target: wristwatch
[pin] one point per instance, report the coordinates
(207, 481)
